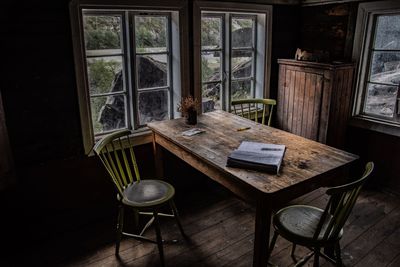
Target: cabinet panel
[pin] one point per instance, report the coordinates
(314, 99)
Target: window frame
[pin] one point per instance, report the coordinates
(124, 54)
(228, 7)
(253, 50)
(222, 52)
(182, 78)
(135, 65)
(362, 54)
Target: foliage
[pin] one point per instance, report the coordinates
(101, 75)
(211, 31)
(150, 32)
(206, 71)
(102, 32)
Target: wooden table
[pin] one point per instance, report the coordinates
(307, 165)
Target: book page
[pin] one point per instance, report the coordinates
(262, 148)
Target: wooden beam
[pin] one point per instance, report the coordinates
(327, 2)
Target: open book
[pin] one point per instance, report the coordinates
(257, 156)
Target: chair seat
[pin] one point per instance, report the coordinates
(147, 193)
(298, 223)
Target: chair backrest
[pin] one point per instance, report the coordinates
(341, 202)
(251, 108)
(119, 160)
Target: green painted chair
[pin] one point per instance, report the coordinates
(253, 108)
(145, 197)
(315, 228)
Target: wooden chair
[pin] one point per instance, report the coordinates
(252, 108)
(145, 197)
(315, 228)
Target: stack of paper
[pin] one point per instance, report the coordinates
(257, 156)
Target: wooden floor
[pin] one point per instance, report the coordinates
(221, 228)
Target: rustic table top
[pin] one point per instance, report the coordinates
(304, 159)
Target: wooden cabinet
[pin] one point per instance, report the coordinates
(314, 99)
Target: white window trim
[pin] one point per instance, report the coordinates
(362, 39)
(199, 6)
(180, 78)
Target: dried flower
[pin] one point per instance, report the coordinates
(188, 104)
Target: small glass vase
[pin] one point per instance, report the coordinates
(191, 117)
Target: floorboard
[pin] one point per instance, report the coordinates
(220, 229)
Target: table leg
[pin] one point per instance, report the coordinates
(261, 234)
(158, 158)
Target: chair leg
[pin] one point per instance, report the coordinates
(292, 252)
(316, 257)
(272, 245)
(338, 255)
(120, 226)
(176, 216)
(159, 238)
(303, 261)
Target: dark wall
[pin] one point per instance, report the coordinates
(285, 39)
(59, 189)
(40, 92)
(331, 28)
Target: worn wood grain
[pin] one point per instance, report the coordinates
(304, 159)
(318, 103)
(221, 228)
(307, 165)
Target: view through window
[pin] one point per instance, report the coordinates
(228, 58)
(129, 71)
(382, 84)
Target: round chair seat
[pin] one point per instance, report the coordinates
(299, 222)
(147, 193)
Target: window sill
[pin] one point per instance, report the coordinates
(139, 137)
(375, 125)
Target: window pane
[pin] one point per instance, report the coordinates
(381, 100)
(241, 89)
(105, 75)
(152, 71)
(102, 32)
(242, 64)
(211, 30)
(385, 67)
(151, 33)
(242, 32)
(210, 66)
(211, 97)
(388, 32)
(153, 106)
(108, 113)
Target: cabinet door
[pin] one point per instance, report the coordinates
(299, 101)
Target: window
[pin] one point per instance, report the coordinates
(377, 49)
(233, 56)
(127, 64)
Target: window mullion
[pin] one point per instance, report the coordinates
(132, 70)
(228, 54)
(169, 64)
(254, 63)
